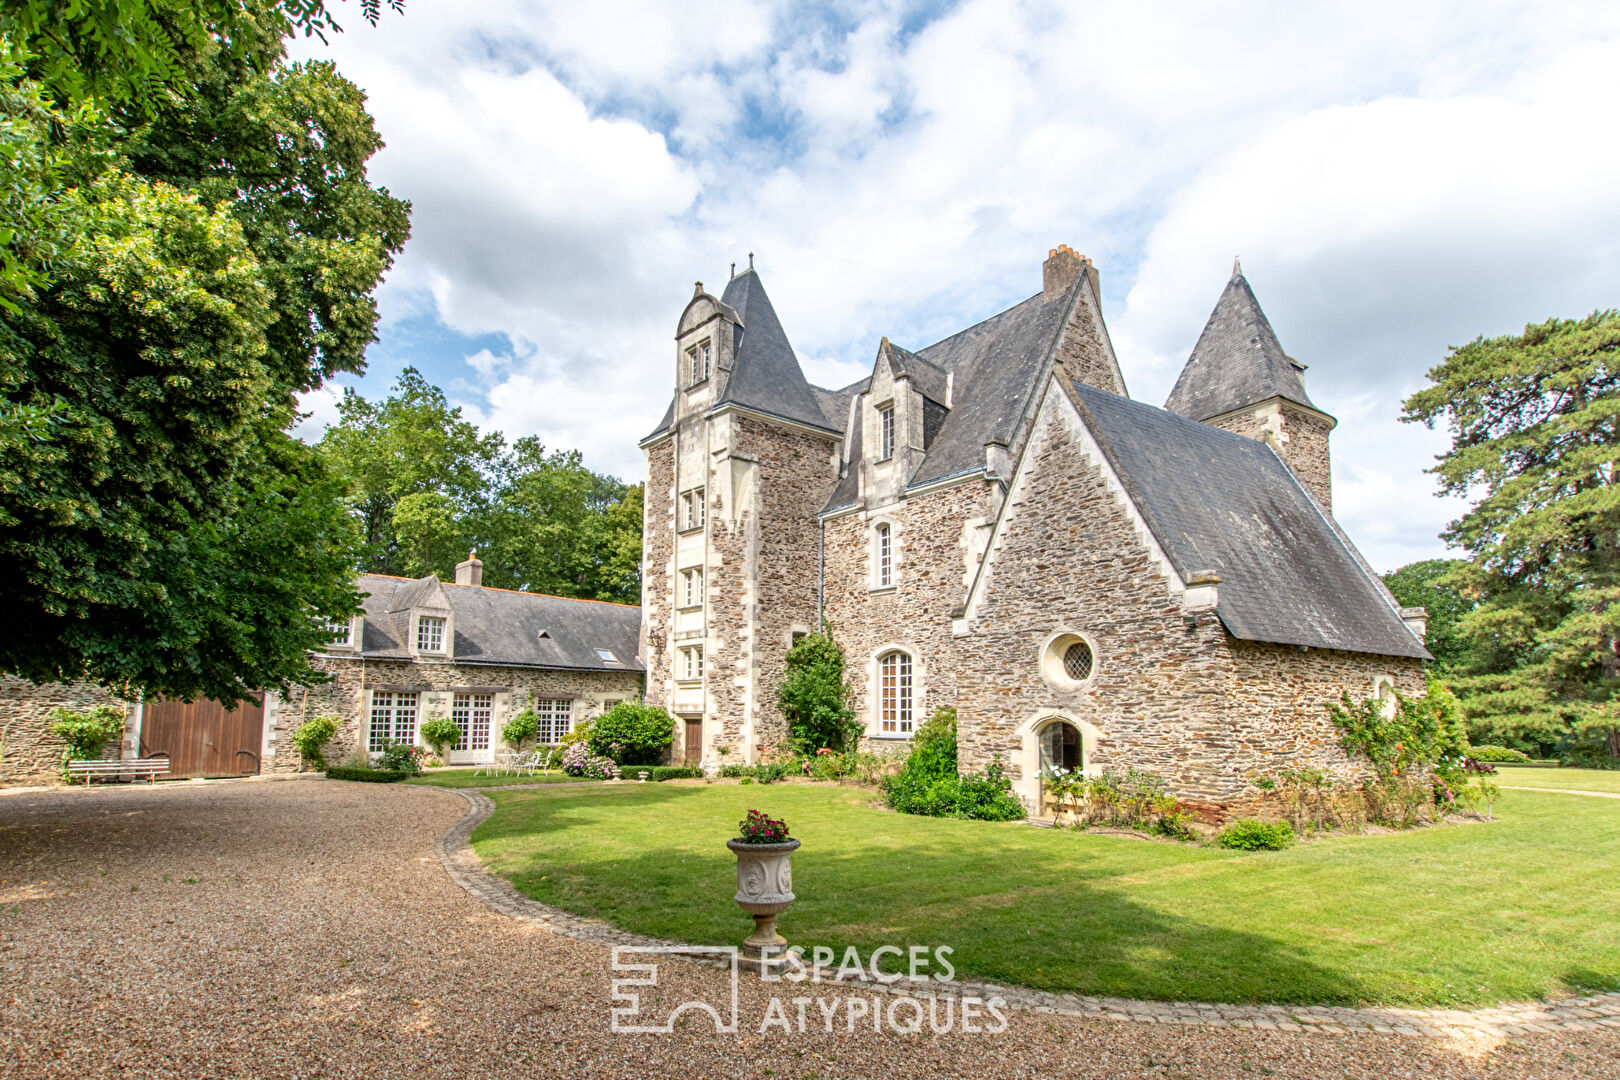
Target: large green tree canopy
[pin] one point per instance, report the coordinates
(1535, 425)
(196, 243)
(428, 487)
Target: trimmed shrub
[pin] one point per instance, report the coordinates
(520, 729)
(1247, 834)
(674, 772)
(311, 738)
(369, 776)
(929, 785)
(1498, 754)
(440, 732)
(86, 732)
(632, 733)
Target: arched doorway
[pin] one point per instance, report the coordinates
(1061, 747)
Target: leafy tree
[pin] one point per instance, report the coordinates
(1535, 424)
(413, 443)
(1427, 585)
(428, 487)
(814, 696)
(221, 245)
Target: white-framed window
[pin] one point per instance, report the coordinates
(472, 713)
(609, 703)
(692, 509)
(692, 587)
(700, 361)
(691, 663)
(342, 631)
(883, 555)
(430, 634)
(885, 432)
(556, 716)
(894, 694)
(393, 718)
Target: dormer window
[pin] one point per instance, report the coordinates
(430, 634)
(885, 432)
(692, 509)
(700, 359)
(342, 631)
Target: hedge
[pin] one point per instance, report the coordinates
(665, 772)
(370, 776)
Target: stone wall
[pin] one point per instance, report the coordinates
(29, 753)
(765, 553)
(658, 572)
(935, 556)
(1083, 354)
(1206, 712)
(1300, 436)
(347, 698)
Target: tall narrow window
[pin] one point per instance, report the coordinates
(885, 556)
(885, 432)
(556, 717)
(429, 634)
(692, 509)
(692, 581)
(472, 712)
(393, 718)
(705, 358)
(894, 689)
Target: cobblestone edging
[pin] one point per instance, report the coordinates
(1573, 1014)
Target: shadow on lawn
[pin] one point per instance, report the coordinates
(1008, 917)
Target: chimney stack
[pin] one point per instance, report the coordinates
(1062, 267)
(470, 572)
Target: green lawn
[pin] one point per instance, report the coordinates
(1519, 908)
(1572, 779)
(464, 778)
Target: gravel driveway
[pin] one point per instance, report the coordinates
(307, 929)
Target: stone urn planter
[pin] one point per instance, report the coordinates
(764, 890)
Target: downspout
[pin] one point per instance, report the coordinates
(821, 576)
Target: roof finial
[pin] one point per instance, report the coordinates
(697, 288)
(750, 260)
(734, 269)
(1237, 267)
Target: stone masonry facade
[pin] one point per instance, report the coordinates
(347, 698)
(29, 752)
(1208, 713)
(937, 552)
(1300, 437)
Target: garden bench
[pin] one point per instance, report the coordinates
(137, 768)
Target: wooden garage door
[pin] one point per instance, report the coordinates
(200, 738)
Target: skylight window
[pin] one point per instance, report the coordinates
(606, 656)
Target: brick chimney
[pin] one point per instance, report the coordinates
(1060, 270)
(470, 572)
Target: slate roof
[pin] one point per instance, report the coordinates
(765, 374)
(1238, 360)
(1218, 501)
(502, 627)
(928, 379)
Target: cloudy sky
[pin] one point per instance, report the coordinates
(1397, 178)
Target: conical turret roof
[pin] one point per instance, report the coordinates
(1238, 360)
(766, 374)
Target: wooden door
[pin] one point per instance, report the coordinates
(202, 738)
(694, 742)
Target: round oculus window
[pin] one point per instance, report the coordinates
(1068, 661)
(1077, 661)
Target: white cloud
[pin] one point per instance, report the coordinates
(1398, 178)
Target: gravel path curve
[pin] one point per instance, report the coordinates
(308, 929)
(1565, 791)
